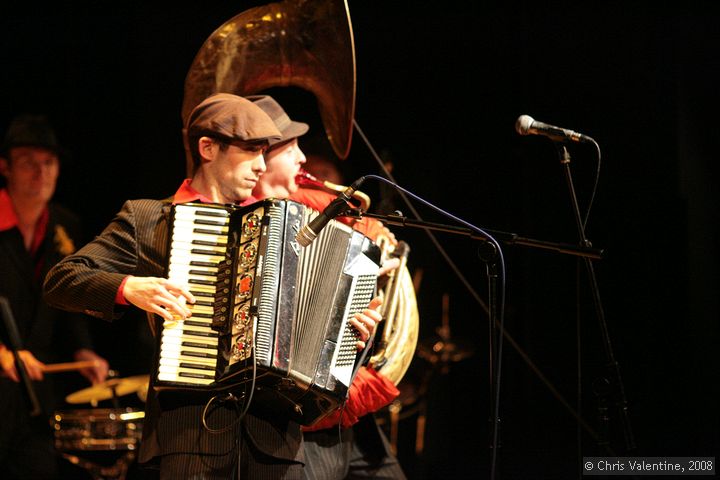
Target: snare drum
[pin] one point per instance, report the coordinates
(98, 429)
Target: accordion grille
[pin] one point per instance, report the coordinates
(321, 267)
(267, 303)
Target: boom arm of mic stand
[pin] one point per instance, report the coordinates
(505, 237)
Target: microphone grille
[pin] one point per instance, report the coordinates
(523, 124)
(305, 236)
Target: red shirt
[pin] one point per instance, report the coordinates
(9, 220)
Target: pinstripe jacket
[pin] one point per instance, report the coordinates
(135, 243)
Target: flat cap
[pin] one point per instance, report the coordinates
(288, 128)
(231, 117)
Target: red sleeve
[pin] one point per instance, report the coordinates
(369, 392)
(120, 296)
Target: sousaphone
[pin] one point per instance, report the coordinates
(300, 43)
(306, 44)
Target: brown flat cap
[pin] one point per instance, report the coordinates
(231, 117)
(289, 128)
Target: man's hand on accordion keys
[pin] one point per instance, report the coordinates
(366, 321)
(160, 296)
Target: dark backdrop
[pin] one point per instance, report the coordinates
(440, 85)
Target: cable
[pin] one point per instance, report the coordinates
(497, 363)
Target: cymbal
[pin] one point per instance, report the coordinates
(143, 392)
(438, 350)
(115, 387)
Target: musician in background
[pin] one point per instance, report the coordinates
(359, 449)
(35, 234)
(124, 268)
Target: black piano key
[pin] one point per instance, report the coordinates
(210, 213)
(192, 353)
(209, 231)
(196, 324)
(208, 243)
(198, 345)
(209, 222)
(207, 273)
(199, 251)
(196, 375)
(196, 366)
(195, 333)
(198, 293)
(198, 263)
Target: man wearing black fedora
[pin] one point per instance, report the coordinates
(35, 234)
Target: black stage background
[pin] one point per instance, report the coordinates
(440, 85)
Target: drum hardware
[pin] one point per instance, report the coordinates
(96, 433)
(440, 351)
(109, 390)
(116, 471)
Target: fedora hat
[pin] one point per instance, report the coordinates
(289, 128)
(30, 130)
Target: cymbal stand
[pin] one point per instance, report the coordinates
(610, 386)
(116, 471)
(15, 345)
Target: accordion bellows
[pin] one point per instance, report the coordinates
(267, 310)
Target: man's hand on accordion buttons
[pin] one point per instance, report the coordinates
(159, 295)
(366, 321)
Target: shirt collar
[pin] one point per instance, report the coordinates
(8, 218)
(186, 193)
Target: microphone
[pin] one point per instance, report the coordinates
(310, 231)
(526, 125)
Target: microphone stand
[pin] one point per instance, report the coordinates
(399, 220)
(611, 383)
(490, 256)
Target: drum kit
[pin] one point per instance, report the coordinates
(102, 441)
(435, 356)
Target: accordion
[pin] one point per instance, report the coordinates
(268, 312)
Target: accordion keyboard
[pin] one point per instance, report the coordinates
(189, 348)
